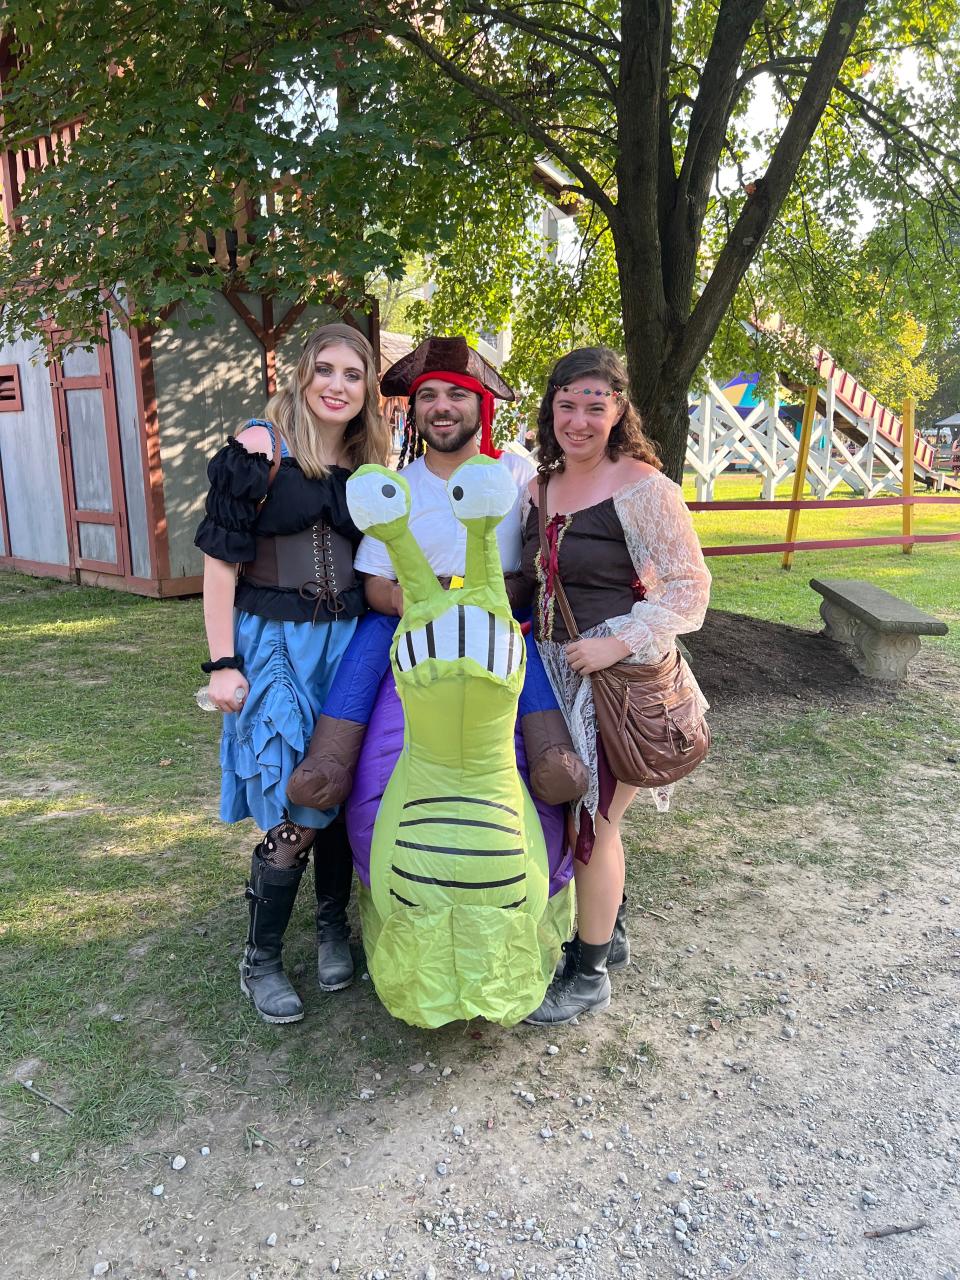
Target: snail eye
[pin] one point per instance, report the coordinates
(388, 490)
(457, 493)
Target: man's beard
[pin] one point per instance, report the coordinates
(451, 441)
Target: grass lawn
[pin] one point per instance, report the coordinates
(120, 912)
(757, 585)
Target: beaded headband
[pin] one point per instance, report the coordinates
(587, 391)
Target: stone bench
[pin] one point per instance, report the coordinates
(884, 631)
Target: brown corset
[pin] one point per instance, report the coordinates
(595, 569)
(317, 562)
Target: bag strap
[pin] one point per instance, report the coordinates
(275, 464)
(569, 621)
(276, 439)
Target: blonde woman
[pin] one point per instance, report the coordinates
(280, 604)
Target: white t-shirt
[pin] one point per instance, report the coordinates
(438, 532)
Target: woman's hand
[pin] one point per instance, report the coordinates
(587, 656)
(224, 687)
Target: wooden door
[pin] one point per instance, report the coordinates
(85, 409)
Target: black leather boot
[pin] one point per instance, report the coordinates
(333, 876)
(619, 956)
(271, 893)
(584, 986)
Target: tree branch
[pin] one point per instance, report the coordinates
(666, 160)
(677, 103)
(580, 8)
(763, 206)
(639, 109)
(889, 126)
(552, 34)
(771, 67)
(711, 110)
(492, 98)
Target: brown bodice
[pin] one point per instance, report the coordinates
(595, 568)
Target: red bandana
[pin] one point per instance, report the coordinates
(487, 406)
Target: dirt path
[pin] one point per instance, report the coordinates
(786, 1149)
(779, 1074)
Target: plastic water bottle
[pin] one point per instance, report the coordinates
(661, 797)
(205, 702)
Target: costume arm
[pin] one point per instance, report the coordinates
(384, 595)
(521, 588)
(668, 561)
(373, 559)
(519, 591)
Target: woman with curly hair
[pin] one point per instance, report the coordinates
(620, 539)
(280, 604)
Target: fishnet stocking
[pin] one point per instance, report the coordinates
(286, 845)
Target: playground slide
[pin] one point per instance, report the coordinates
(861, 406)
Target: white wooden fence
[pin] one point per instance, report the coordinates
(857, 455)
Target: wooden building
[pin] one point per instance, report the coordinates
(103, 451)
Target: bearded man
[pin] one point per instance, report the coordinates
(451, 391)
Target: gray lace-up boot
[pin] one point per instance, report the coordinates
(619, 956)
(584, 986)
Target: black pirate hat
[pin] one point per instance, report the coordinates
(439, 356)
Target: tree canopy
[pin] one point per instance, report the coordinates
(726, 158)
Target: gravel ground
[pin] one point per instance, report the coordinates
(764, 1146)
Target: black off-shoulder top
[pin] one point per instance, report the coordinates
(235, 519)
(594, 565)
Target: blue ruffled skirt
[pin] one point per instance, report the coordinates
(290, 667)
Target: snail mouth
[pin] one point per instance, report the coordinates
(465, 631)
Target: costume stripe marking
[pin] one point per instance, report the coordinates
(466, 853)
(406, 901)
(409, 638)
(431, 642)
(459, 822)
(491, 639)
(519, 903)
(458, 884)
(492, 804)
(461, 631)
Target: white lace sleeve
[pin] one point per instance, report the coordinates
(666, 554)
(526, 502)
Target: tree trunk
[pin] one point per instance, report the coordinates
(651, 333)
(667, 422)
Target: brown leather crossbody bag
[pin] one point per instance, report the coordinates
(649, 718)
